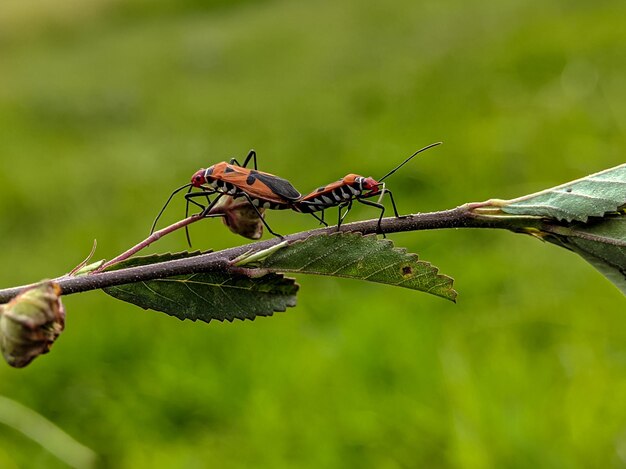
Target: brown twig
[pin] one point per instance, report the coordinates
(148, 241)
(460, 217)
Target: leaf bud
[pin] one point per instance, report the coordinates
(30, 323)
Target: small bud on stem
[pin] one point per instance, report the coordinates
(30, 323)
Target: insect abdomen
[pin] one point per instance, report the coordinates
(321, 200)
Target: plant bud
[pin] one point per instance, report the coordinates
(30, 323)
(239, 216)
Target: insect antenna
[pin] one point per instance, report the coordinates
(408, 159)
(186, 215)
(166, 204)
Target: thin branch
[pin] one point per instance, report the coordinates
(460, 217)
(149, 240)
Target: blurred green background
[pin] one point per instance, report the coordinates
(107, 105)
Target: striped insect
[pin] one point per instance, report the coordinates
(352, 187)
(261, 190)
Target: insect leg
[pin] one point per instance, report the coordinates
(382, 212)
(208, 191)
(393, 203)
(210, 205)
(251, 154)
(260, 215)
(321, 220)
(208, 208)
(340, 220)
(193, 195)
(188, 199)
(345, 214)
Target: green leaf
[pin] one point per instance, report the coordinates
(207, 295)
(591, 196)
(353, 255)
(602, 242)
(585, 216)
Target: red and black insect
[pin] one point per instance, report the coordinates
(352, 187)
(261, 190)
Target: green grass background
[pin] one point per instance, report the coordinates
(107, 105)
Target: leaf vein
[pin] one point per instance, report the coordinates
(145, 284)
(345, 266)
(322, 256)
(384, 268)
(586, 196)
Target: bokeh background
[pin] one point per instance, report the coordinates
(107, 105)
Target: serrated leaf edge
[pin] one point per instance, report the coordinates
(389, 245)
